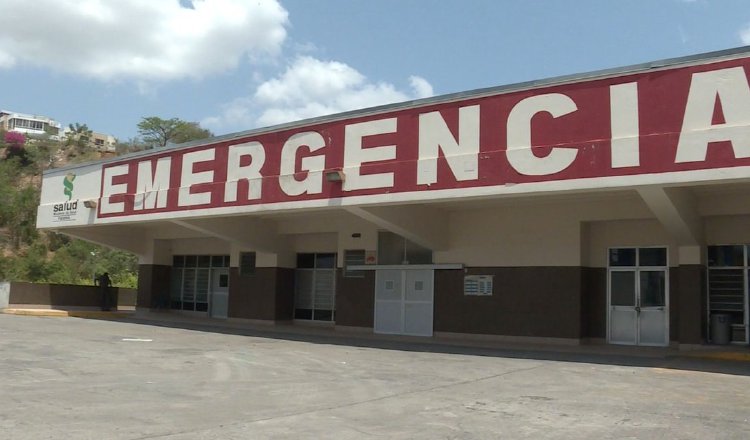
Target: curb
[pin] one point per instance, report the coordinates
(54, 313)
(739, 356)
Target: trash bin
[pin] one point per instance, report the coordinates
(720, 329)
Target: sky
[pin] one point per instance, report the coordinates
(235, 65)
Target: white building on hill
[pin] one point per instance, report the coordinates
(29, 124)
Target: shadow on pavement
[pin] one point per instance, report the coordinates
(593, 354)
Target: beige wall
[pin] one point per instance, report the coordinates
(200, 246)
(525, 236)
(568, 231)
(715, 202)
(536, 234)
(327, 233)
(325, 242)
(728, 229)
(603, 235)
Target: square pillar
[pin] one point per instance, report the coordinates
(691, 294)
(154, 276)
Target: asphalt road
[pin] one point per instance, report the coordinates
(69, 378)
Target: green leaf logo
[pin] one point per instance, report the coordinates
(68, 184)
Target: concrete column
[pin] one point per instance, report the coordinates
(268, 293)
(690, 294)
(154, 275)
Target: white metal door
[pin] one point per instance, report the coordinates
(418, 302)
(638, 308)
(404, 301)
(389, 301)
(219, 293)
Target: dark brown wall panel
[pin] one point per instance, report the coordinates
(284, 294)
(153, 286)
(691, 284)
(355, 299)
(64, 295)
(253, 296)
(594, 304)
(675, 295)
(527, 301)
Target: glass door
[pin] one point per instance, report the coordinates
(623, 316)
(638, 296)
(652, 307)
(315, 287)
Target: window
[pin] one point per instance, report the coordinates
(204, 261)
(189, 286)
(395, 249)
(220, 261)
(622, 257)
(178, 261)
(728, 277)
(354, 257)
(26, 123)
(643, 257)
(726, 256)
(247, 263)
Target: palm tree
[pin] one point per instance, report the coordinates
(78, 135)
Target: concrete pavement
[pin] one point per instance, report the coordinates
(99, 379)
(300, 331)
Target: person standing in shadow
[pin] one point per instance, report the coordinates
(104, 288)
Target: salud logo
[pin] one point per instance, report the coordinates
(66, 211)
(68, 185)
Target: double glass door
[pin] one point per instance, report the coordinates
(638, 297)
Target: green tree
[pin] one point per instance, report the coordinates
(191, 131)
(41, 155)
(130, 146)
(26, 254)
(79, 261)
(18, 201)
(158, 132)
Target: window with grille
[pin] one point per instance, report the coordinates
(354, 257)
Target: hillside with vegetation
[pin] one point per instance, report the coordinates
(27, 254)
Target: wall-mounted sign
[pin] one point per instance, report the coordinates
(67, 210)
(651, 125)
(478, 285)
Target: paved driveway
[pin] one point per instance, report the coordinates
(68, 378)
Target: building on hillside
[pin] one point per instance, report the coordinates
(33, 125)
(610, 206)
(103, 142)
(98, 141)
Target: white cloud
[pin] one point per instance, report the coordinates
(308, 88)
(421, 87)
(745, 35)
(139, 39)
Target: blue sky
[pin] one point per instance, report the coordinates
(239, 64)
